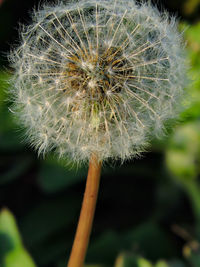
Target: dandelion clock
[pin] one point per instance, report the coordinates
(96, 80)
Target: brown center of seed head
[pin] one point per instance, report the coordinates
(98, 75)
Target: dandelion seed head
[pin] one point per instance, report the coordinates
(97, 76)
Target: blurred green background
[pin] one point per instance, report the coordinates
(148, 211)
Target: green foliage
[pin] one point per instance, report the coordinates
(183, 148)
(53, 176)
(183, 152)
(190, 6)
(13, 253)
(193, 49)
(126, 260)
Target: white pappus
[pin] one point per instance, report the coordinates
(97, 76)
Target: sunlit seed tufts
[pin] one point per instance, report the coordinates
(97, 76)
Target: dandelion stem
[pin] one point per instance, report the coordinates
(87, 214)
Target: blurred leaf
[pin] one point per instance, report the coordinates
(190, 6)
(8, 227)
(106, 247)
(141, 238)
(191, 33)
(168, 198)
(14, 168)
(18, 258)
(49, 217)
(4, 78)
(14, 254)
(183, 152)
(192, 37)
(55, 176)
(194, 258)
(110, 243)
(9, 136)
(128, 260)
(183, 158)
(175, 263)
(52, 249)
(161, 264)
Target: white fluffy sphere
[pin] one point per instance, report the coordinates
(97, 76)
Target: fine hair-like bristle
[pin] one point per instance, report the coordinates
(97, 76)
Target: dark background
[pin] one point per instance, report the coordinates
(148, 211)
